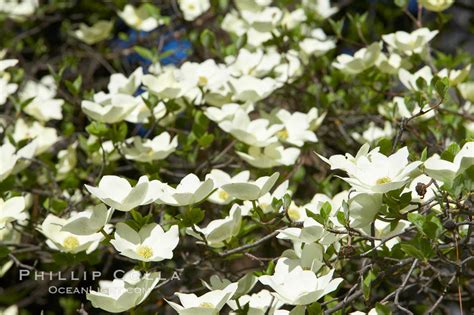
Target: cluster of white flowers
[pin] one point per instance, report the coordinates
(230, 93)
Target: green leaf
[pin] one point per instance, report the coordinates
(367, 284)
(411, 250)
(75, 86)
(191, 217)
(145, 52)
(314, 309)
(97, 129)
(207, 38)
(450, 152)
(206, 140)
(4, 251)
(382, 309)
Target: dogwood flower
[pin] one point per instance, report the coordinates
(436, 5)
(169, 84)
(6, 88)
(311, 232)
(120, 295)
(120, 84)
(447, 171)
(409, 80)
(148, 150)
(68, 242)
(217, 232)
(12, 159)
(12, 210)
(89, 221)
(455, 76)
(227, 111)
(244, 284)
(151, 243)
(270, 156)
(251, 190)
(390, 64)
(67, 160)
(251, 89)
(317, 44)
(322, 8)
(43, 105)
(210, 303)
(299, 287)
(404, 112)
(220, 178)
(43, 137)
(263, 20)
(309, 257)
(193, 8)
(95, 33)
(372, 134)
(117, 192)
(467, 90)
(410, 43)
(189, 191)
(109, 108)
(139, 18)
(296, 127)
(19, 10)
(259, 303)
(265, 201)
(363, 59)
(385, 230)
(256, 63)
(256, 132)
(377, 173)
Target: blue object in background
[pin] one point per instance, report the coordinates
(413, 7)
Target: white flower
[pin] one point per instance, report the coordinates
(265, 201)
(89, 221)
(256, 63)
(409, 80)
(390, 65)
(256, 132)
(109, 108)
(6, 63)
(297, 129)
(11, 158)
(293, 19)
(139, 18)
(404, 112)
(12, 210)
(244, 284)
(299, 287)
(67, 160)
(119, 83)
(119, 194)
(95, 33)
(68, 242)
(123, 294)
(322, 8)
(217, 232)
(207, 304)
(251, 190)
(43, 137)
(169, 84)
(19, 10)
(311, 232)
(385, 230)
(6, 88)
(455, 76)
(363, 59)
(227, 111)
(43, 106)
(248, 88)
(189, 191)
(467, 90)
(151, 243)
(347, 162)
(193, 8)
(270, 156)
(436, 5)
(148, 150)
(289, 68)
(410, 43)
(260, 303)
(221, 178)
(377, 173)
(264, 20)
(309, 257)
(317, 44)
(363, 208)
(447, 171)
(373, 133)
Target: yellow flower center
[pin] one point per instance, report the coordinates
(70, 242)
(202, 80)
(282, 134)
(206, 305)
(144, 251)
(383, 180)
(294, 214)
(223, 195)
